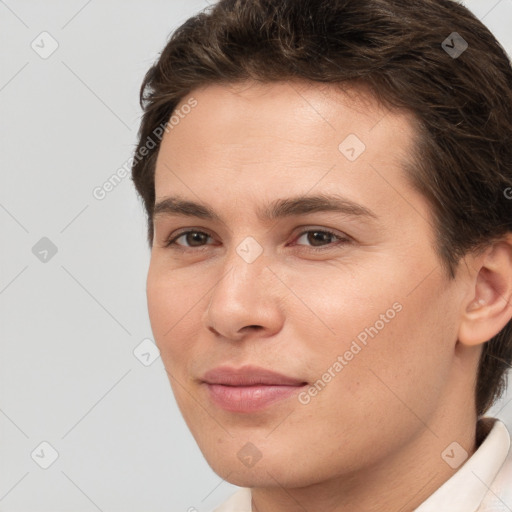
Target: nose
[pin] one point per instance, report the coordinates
(248, 298)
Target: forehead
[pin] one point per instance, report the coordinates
(284, 136)
(314, 100)
(234, 117)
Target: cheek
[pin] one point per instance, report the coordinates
(171, 313)
(383, 327)
(344, 303)
(406, 364)
(160, 302)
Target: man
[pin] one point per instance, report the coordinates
(330, 220)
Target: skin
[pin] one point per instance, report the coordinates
(372, 438)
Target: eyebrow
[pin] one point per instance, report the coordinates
(279, 208)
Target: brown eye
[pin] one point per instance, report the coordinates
(191, 239)
(320, 238)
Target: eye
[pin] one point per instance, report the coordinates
(191, 237)
(321, 238)
(318, 238)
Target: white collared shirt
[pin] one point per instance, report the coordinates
(482, 484)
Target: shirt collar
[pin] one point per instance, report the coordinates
(466, 489)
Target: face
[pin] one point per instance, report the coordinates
(309, 256)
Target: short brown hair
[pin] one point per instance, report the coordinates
(400, 51)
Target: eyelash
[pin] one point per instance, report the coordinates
(171, 242)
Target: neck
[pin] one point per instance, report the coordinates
(399, 482)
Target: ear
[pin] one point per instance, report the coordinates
(489, 303)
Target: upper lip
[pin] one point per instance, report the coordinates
(248, 376)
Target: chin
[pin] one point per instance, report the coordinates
(264, 473)
(249, 478)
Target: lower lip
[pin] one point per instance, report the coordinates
(249, 398)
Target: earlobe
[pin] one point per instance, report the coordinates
(489, 308)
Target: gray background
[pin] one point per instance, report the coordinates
(70, 323)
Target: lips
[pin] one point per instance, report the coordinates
(248, 376)
(249, 388)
